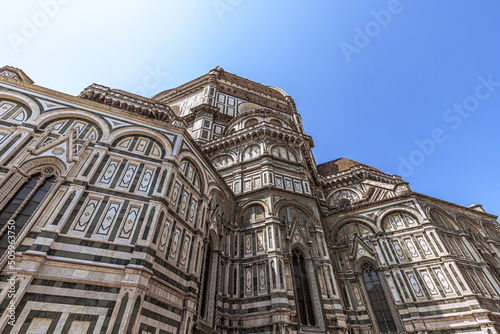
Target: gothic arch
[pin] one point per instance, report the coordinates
(284, 203)
(301, 247)
(248, 107)
(281, 91)
(201, 171)
(254, 202)
(249, 145)
(341, 223)
(289, 149)
(231, 155)
(34, 186)
(13, 181)
(196, 173)
(327, 198)
(35, 110)
(250, 122)
(31, 166)
(471, 223)
(285, 120)
(493, 263)
(275, 121)
(224, 205)
(210, 285)
(492, 228)
(362, 261)
(116, 143)
(213, 238)
(450, 220)
(379, 218)
(306, 288)
(72, 113)
(129, 131)
(256, 111)
(384, 317)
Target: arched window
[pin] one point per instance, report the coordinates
(251, 122)
(13, 111)
(280, 272)
(302, 290)
(398, 220)
(273, 273)
(235, 280)
(24, 203)
(378, 301)
(275, 122)
(283, 153)
(142, 145)
(223, 161)
(251, 152)
(280, 268)
(493, 231)
(292, 214)
(444, 221)
(84, 128)
(252, 214)
(470, 224)
(270, 237)
(345, 234)
(344, 204)
(344, 198)
(191, 172)
(206, 281)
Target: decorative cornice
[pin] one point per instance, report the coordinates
(207, 108)
(255, 113)
(408, 195)
(233, 85)
(15, 74)
(356, 174)
(274, 188)
(90, 104)
(458, 206)
(129, 102)
(250, 95)
(204, 107)
(258, 131)
(84, 103)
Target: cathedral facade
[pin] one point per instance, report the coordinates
(202, 210)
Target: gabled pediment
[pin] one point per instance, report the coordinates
(297, 234)
(64, 148)
(361, 249)
(15, 74)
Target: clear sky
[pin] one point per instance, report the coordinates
(409, 87)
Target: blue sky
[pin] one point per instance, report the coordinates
(409, 87)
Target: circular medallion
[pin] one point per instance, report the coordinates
(58, 150)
